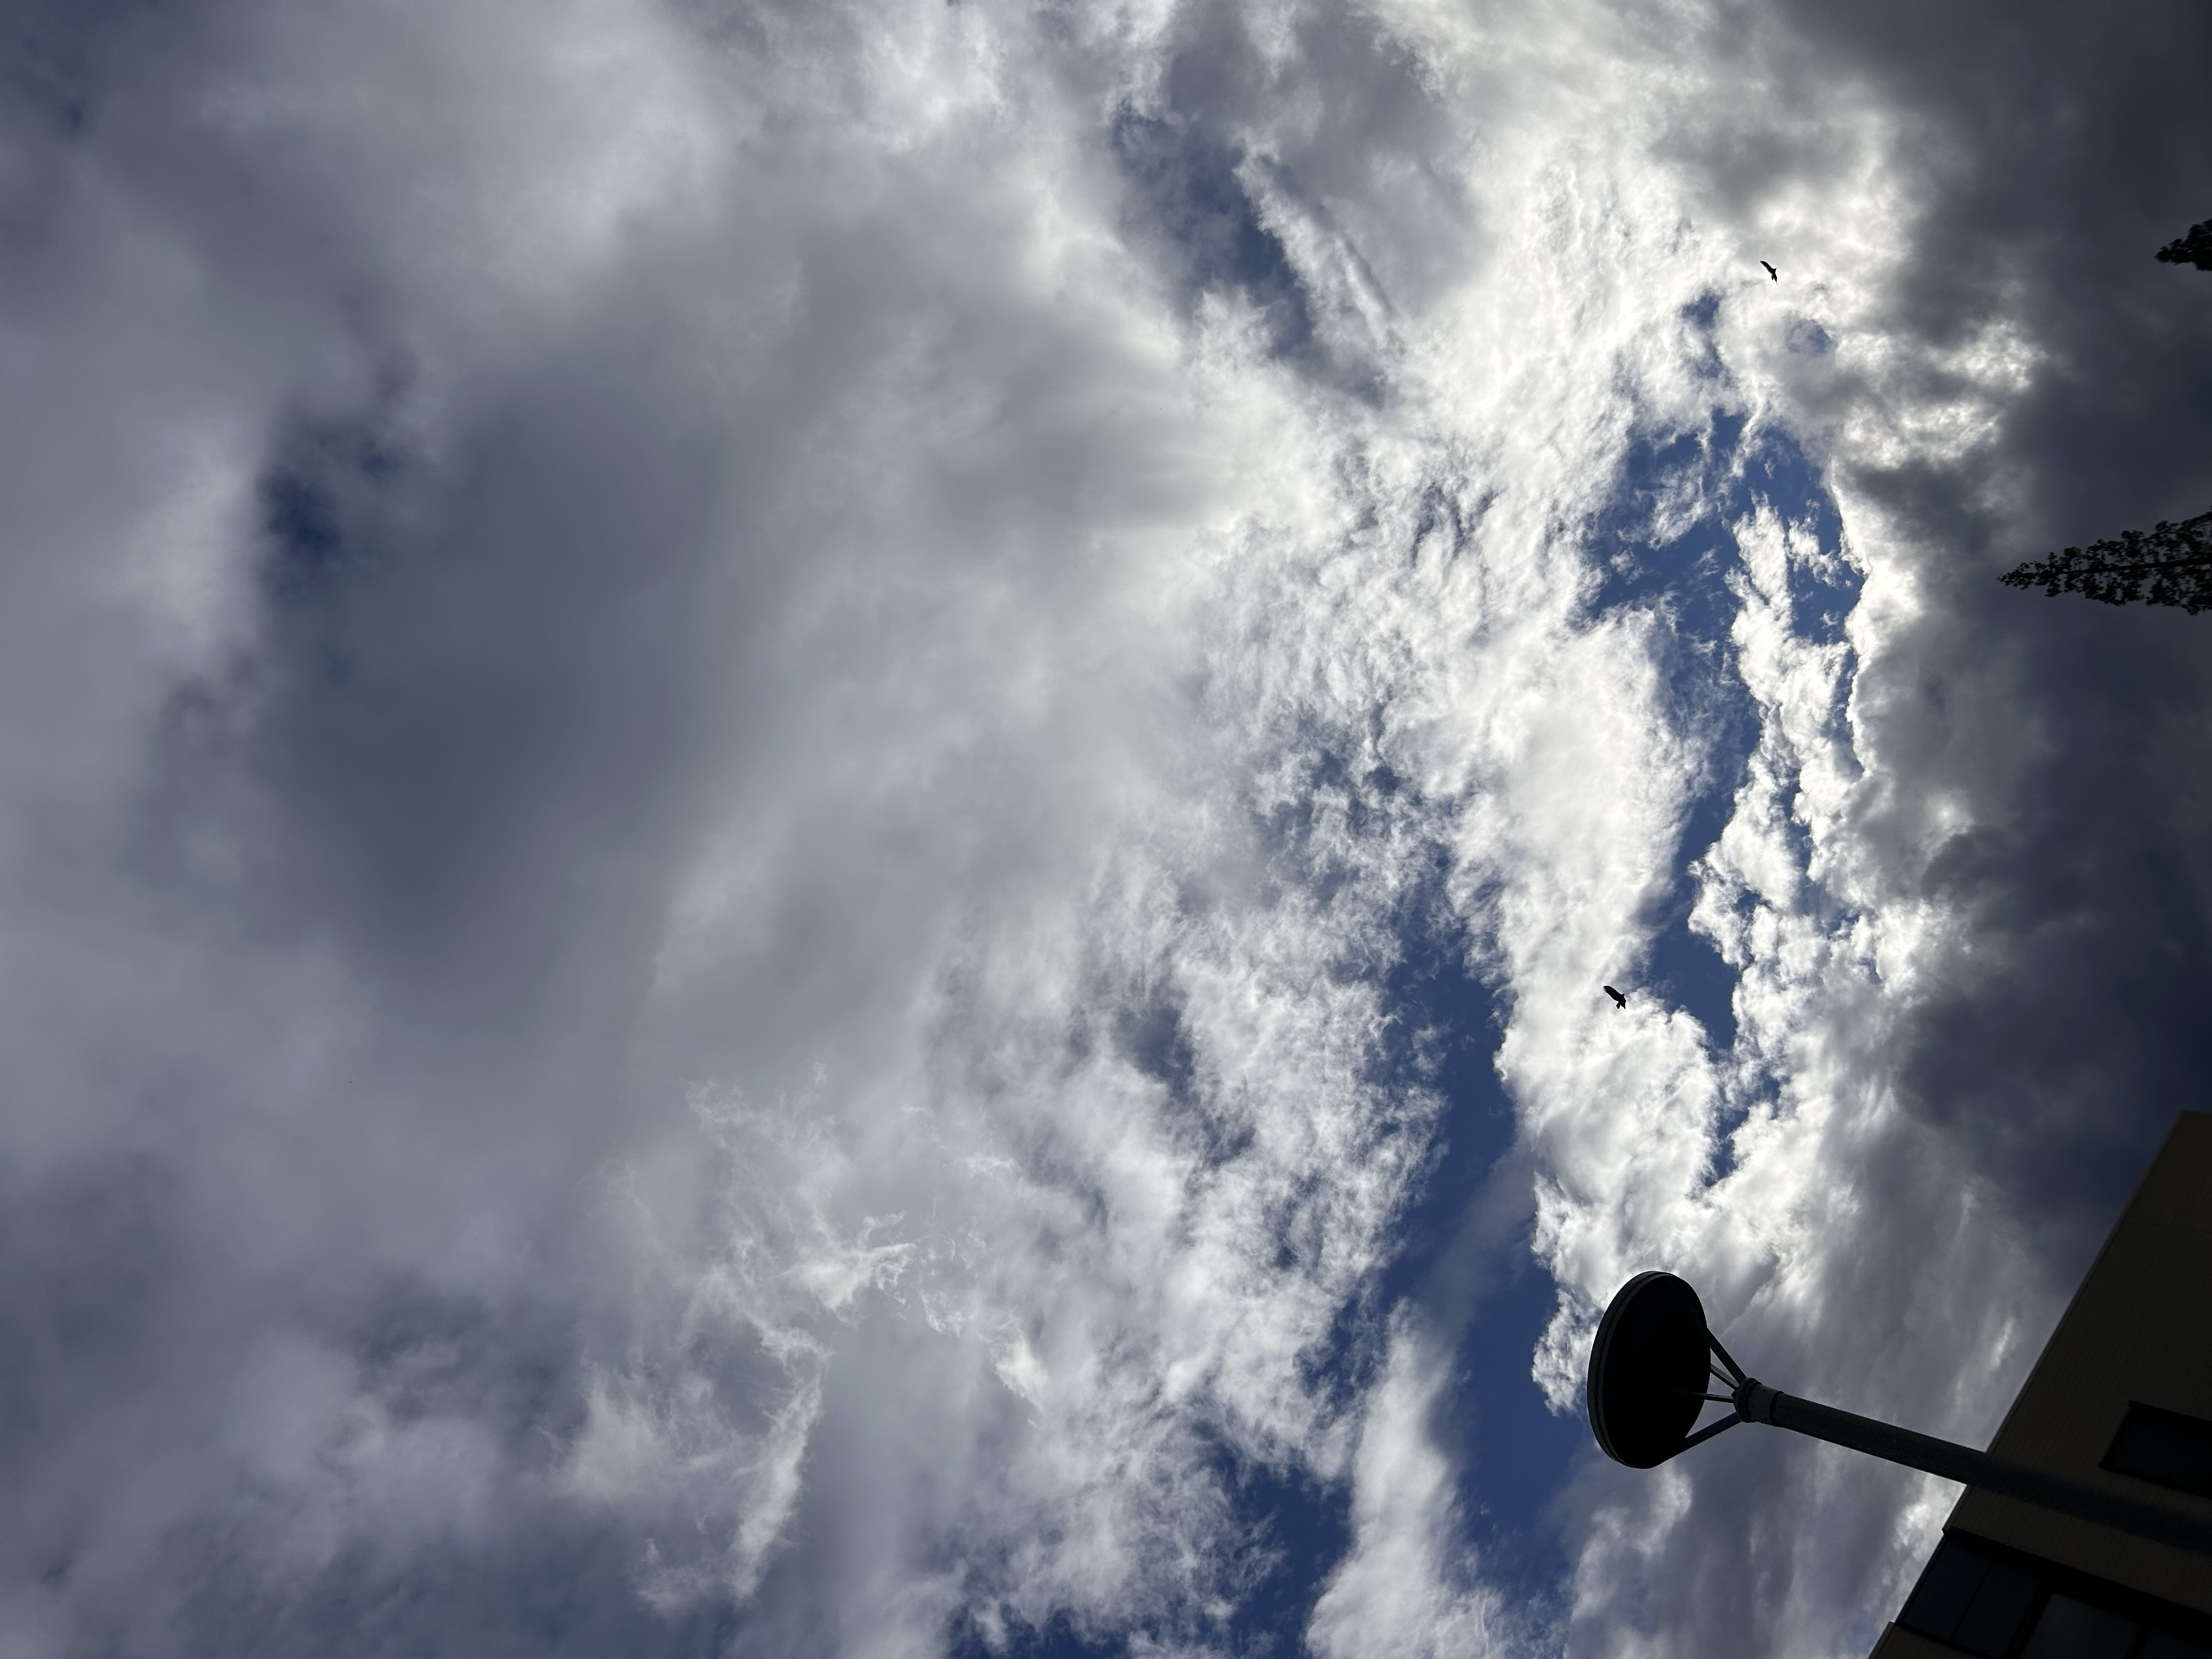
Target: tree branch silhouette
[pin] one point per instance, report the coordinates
(2193, 249)
(2170, 564)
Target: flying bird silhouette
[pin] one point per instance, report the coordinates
(1620, 998)
(1772, 271)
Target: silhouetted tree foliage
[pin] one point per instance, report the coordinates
(2170, 565)
(2194, 249)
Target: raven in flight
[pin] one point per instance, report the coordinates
(1620, 998)
(1772, 271)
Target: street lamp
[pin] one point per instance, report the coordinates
(1652, 1369)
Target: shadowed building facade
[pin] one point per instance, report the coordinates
(2121, 1398)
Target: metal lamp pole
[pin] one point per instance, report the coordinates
(1652, 1366)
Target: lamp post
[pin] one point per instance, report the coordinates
(1651, 1373)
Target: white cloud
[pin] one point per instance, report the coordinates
(1407, 1585)
(719, 725)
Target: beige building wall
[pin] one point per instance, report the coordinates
(2140, 1328)
(1898, 1643)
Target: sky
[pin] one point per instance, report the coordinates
(810, 808)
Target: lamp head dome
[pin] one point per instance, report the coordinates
(1648, 1370)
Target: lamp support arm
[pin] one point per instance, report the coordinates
(1757, 1403)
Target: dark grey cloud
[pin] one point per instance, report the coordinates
(2072, 154)
(2031, 762)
